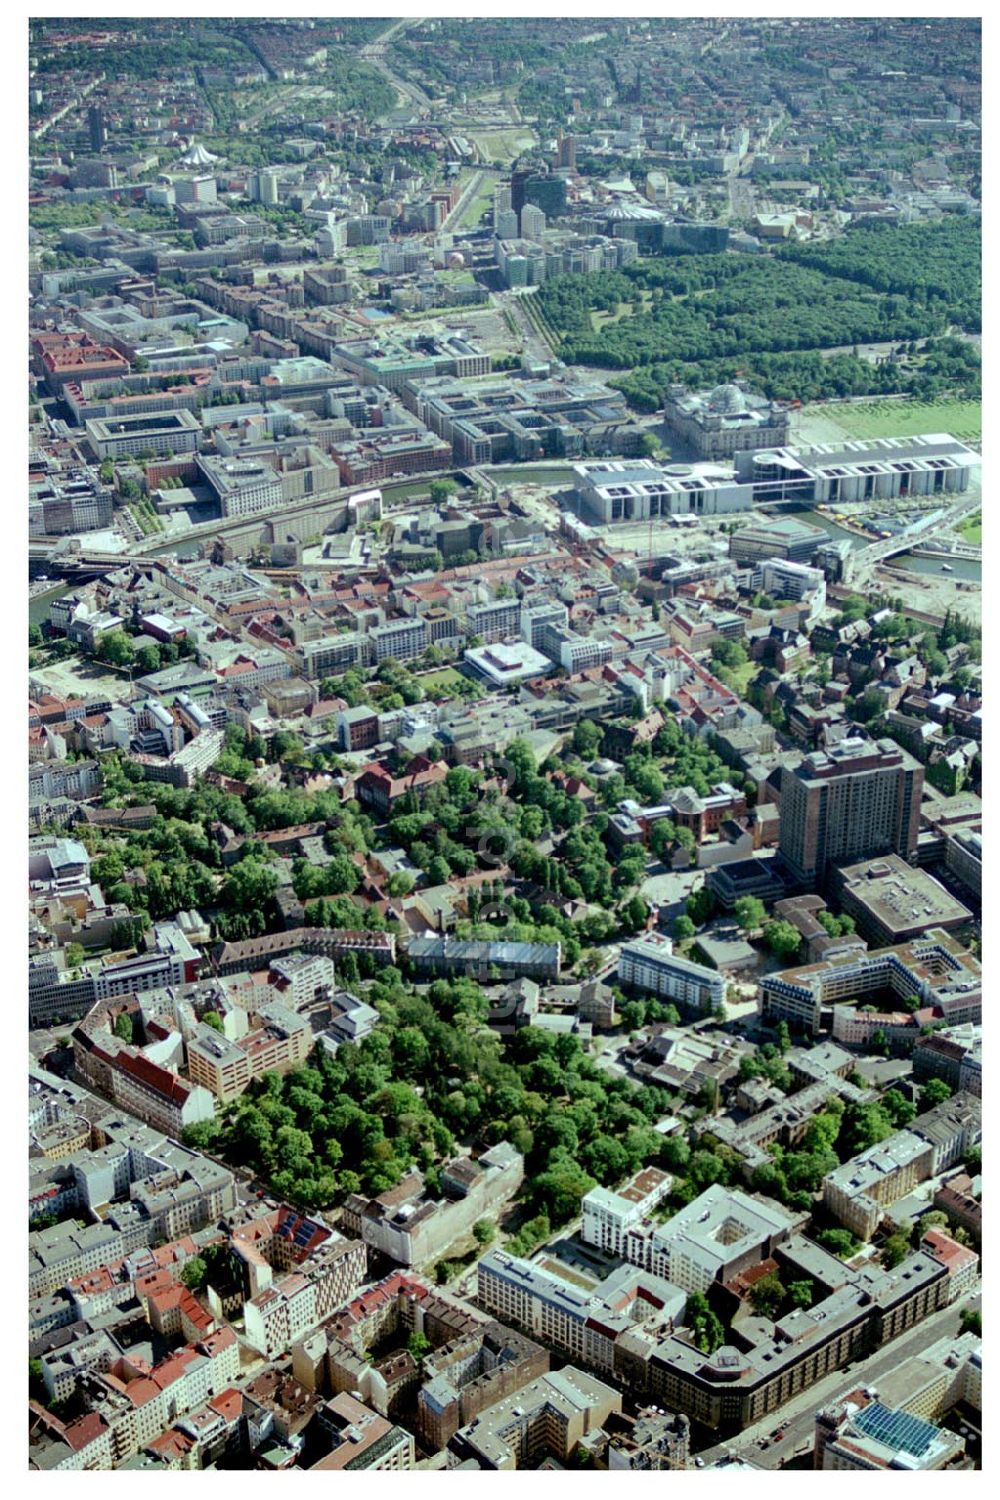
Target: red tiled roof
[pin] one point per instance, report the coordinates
(172, 1444)
(141, 1391)
(948, 1251)
(213, 1343)
(229, 1404)
(162, 1297)
(85, 1430)
(155, 1285)
(155, 1077)
(172, 1369)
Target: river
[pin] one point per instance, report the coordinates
(958, 567)
(38, 607)
(961, 567)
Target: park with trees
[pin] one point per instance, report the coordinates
(701, 319)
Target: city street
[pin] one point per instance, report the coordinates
(800, 1413)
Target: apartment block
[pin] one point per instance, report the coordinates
(471, 1373)
(547, 1419)
(960, 1261)
(608, 1213)
(585, 1323)
(649, 965)
(277, 1041)
(411, 1228)
(362, 1440)
(282, 1312)
(403, 640)
(858, 1191)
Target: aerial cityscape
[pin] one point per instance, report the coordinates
(504, 744)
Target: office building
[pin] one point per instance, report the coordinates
(737, 1387)
(97, 128)
(870, 469)
(639, 489)
(443, 955)
(264, 185)
(521, 262)
(567, 152)
(171, 432)
(242, 486)
(715, 1237)
(860, 1433)
(825, 996)
(504, 665)
(655, 1441)
(532, 222)
(934, 1381)
(545, 191)
(776, 537)
(783, 579)
(854, 800)
(505, 224)
(892, 902)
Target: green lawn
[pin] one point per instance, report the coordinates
(475, 210)
(877, 419)
(737, 678)
(446, 677)
(971, 530)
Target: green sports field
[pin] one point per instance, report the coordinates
(877, 419)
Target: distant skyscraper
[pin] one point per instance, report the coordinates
(855, 800)
(567, 152)
(546, 192)
(98, 128)
(532, 222)
(266, 185)
(505, 224)
(517, 186)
